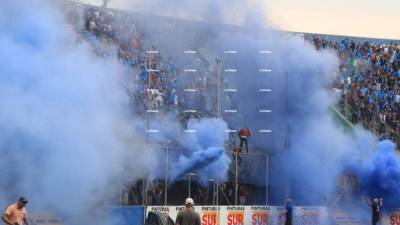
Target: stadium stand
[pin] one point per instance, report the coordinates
(368, 83)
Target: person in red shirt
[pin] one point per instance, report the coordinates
(244, 134)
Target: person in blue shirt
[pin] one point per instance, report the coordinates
(289, 212)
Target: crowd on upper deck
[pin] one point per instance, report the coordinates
(368, 82)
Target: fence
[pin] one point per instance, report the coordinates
(244, 167)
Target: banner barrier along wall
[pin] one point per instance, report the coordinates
(260, 215)
(278, 215)
(163, 209)
(210, 215)
(250, 215)
(392, 218)
(362, 217)
(233, 215)
(312, 216)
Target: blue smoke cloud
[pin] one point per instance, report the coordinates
(205, 154)
(64, 121)
(65, 133)
(380, 175)
(197, 161)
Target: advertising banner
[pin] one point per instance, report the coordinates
(210, 215)
(233, 215)
(245, 215)
(259, 215)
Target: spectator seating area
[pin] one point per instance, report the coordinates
(368, 83)
(157, 83)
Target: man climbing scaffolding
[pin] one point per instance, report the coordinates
(244, 134)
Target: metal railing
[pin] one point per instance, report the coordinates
(374, 123)
(128, 196)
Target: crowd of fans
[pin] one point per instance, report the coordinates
(368, 83)
(158, 82)
(112, 33)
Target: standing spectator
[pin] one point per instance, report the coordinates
(244, 134)
(203, 196)
(156, 196)
(188, 216)
(288, 212)
(376, 206)
(230, 192)
(16, 214)
(159, 99)
(243, 194)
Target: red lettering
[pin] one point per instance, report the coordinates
(395, 220)
(209, 219)
(214, 218)
(235, 219)
(240, 219)
(230, 220)
(260, 219)
(204, 220)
